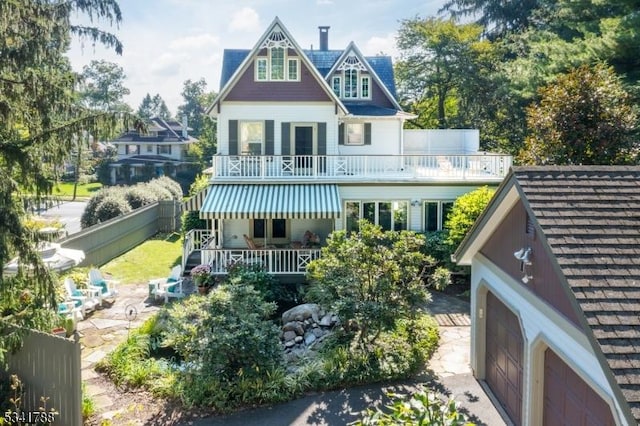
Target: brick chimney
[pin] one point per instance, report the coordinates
(324, 38)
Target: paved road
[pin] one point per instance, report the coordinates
(67, 212)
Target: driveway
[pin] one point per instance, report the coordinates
(68, 213)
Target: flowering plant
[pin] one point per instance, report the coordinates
(202, 274)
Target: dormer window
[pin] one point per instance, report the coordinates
(356, 83)
(277, 65)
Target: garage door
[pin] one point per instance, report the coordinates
(569, 400)
(504, 357)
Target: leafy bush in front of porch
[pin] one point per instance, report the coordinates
(370, 279)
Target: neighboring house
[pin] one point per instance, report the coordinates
(161, 149)
(555, 295)
(313, 140)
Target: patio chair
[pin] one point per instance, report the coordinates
(88, 298)
(108, 288)
(71, 309)
(170, 286)
(256, 246)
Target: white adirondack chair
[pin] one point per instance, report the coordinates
(170, 286)
(89, 298)
(108, 289)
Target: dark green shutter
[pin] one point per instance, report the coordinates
(268, 129)
(286, 138)
(322, 138)
(367, 133)
(233, 137)
(341, 134)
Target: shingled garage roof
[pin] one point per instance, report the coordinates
(590, 216)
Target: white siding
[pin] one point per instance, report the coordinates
(385, 139)
(402, 193)
(280, 113)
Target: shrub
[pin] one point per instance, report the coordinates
(137, 196)
(369, 278)
(439, 279)
(158, 190)
(270, 288)
(191, 220)
(89, 216)
(464, 213)
(171, 185)
(111, 206)
(226, 333)
(422, 408)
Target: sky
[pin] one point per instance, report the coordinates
(167, 42)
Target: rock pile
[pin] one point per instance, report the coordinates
(303, 327)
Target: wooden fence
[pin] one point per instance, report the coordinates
(107, 240)
(49, 366)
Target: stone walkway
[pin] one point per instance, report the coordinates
(103, 330)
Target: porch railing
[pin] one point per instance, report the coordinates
(276, 261)
(336, 167)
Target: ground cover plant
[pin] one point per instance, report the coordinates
(222, 350)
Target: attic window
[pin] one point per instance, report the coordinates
(277, 65)
(355, 83)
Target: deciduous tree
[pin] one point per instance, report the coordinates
(585, 117)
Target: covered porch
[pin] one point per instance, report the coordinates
(267, 224)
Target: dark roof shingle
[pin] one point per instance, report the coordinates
(590, 216)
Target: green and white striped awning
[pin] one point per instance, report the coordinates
(276, 201)
(194, 203)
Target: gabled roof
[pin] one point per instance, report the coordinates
(386, 69)
(589, 217)
(231, 72)
(322, 60)
(169, 131)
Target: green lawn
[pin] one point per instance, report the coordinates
(152, 259)
(65, 189)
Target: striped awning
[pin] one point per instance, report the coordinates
(271, 202)
(194, 203)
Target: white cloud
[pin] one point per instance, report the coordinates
(246, 19)
(324, 2)
(202, 41)
(167, 64)
(386, 45)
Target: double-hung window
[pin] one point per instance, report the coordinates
(251, 137)
(364, 87)
(336, 84)
(261, 69)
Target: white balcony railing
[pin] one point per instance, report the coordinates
(348, 167)
(275, 261)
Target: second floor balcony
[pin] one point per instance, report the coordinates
(365, 168)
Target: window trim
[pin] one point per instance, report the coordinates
(364, 78)
(128, 151)
(346, 136)
(377, 203)
(439, 213)
(337, 79)
(356, 80)
(297, 64)
(284, 62)
(240, 139)
(269, 231)
(160, 147)
(265, 61)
